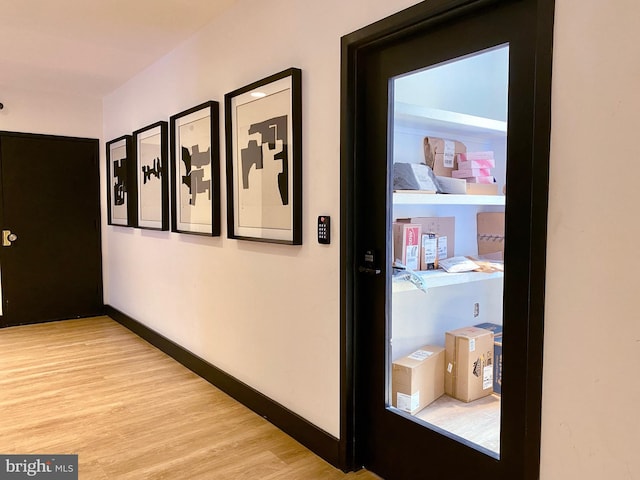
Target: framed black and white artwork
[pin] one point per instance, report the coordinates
(119, 193)
(151, 178)
(195, 170)
(264, 160)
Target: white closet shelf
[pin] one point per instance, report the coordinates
(456, 123)
(446, 199)
(440, 278)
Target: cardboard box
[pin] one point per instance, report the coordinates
(444, 227)
(486, 180)
(497, 360)
(460, 186)
(440, 154)
(477, 156)
(494, 327)
(406, 244)
(472, 173)
(490, 233)
(485, 163)
(468, 363)
(497, 354)
(418, 379)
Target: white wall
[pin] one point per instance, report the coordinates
(50, 113)
(590, 420)
(266, 314)
(474, 85)
(223, 299)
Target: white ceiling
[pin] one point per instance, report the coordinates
(91, 47)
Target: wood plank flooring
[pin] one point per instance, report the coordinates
(91, 387)
(477, 421)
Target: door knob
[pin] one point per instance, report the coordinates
(8, 237)
(369, 267)
(369, 270)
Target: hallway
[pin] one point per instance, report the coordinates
(91, 387)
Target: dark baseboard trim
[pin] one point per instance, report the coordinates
(315, 439)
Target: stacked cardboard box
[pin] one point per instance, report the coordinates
(468, 368)
(475, 167)
(438, 231)
(468, 363)
(440, 154)
(406, 244)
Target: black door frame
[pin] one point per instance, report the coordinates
(354, 47)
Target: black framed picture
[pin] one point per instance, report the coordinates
(120, 197)
(151, 176)
(195, 170)
(264, 159)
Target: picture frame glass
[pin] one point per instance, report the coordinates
(118, 182)
(262, 137)
(193, 180)
(150, 172)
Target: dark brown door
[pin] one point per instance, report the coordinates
(396, 440)
(50, 256)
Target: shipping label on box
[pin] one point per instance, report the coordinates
(406, 244)
(443, 251)
(429, 252)
(418, 379)
(408, 403)
(444, 227)
(469, 360)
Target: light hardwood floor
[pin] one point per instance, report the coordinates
(477, 421)
(91, 387)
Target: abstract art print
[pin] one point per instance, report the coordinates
(151, 179)
(264, 160)
(119, 195)
(195, 170)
